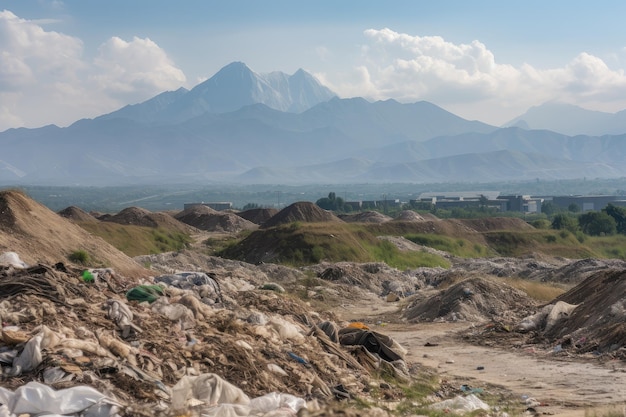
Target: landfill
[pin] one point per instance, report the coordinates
(92, 342)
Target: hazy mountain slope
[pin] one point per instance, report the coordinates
(145, 112)
(247, 127)
(480, 167)
(571, 120)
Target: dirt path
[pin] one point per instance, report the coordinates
(563, 386)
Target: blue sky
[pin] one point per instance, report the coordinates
(487, 60)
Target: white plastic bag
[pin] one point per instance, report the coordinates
(461, 404)
(35, 398)
(12, 259)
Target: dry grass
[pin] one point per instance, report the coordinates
(539, 291)
(138, 240)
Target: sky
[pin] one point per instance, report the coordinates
(64, 60)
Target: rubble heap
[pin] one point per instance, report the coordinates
(144, 346)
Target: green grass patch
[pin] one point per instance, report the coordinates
(551, 242)
(138, 240)
(387, 252)
(80, 257)
(608, 246)
(300, 244)
(456, 246)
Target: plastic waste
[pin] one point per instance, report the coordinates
(461, 404)
(88, 276)
(12, 259)
(298, 359)
(216, 397)
(35, 398)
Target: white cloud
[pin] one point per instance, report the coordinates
(57, 85)
(28, 52)
(466, 79)
(134, 69)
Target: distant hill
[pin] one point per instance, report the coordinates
(248, 128)
(571, 120)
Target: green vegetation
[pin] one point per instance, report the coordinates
(608, 246)
(80, 257)
(138, 240)
(332, 202)
(521, 242)
(456, 246)
(386, 251)
(309, 243)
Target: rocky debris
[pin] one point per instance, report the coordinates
(205, 218)
(377, 277)
(258, 215)
(365, 217)
(303, 211)
(77, 214)
(475, 299)
(531, 267)
(577, 271)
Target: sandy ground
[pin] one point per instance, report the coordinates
(562, 386)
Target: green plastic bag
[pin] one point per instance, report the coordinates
(142, 293)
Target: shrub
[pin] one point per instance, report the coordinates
(80, 257)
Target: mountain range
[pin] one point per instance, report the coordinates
(243, 127)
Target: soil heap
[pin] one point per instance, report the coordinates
(365, 217)
(409, 216)
(77, 214)
(303, 211)
(258, 215)
(598, 322)
(475, 299)
(138, 216)
(205, 218)
(39, 235)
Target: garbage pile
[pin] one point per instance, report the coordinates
(93, 342)
(589, 318)
(475, 299)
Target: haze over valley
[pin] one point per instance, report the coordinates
(241, 127)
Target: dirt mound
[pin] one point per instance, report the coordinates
(77, 214)
(205, 218)
(258, 215)
(409, 216)
(599, 320)
(474, 299)
(496, 223)
(365, 217)
(138, 216)
(577, 271)
(303, 211)
(39, 235)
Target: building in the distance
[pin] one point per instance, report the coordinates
(587, 202)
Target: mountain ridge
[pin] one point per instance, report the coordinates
(228, 129)
(232, 87)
